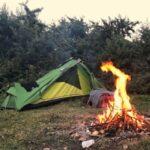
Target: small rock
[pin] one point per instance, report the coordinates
(95, 133)
(75, 135)
(88, 131)
(102, 131)
(46, 148)
(125, 146)
(65, 148)
(82, 139)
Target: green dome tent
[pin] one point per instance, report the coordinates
(68, 80)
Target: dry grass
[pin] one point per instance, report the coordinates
(50, 126)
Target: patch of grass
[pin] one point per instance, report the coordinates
(43, 127)
(47, 126)
(142, 103)
(143, 145)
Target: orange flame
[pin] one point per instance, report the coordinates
(121, 102)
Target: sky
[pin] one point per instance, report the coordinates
(91, 10)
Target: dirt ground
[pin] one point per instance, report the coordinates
(50, 127)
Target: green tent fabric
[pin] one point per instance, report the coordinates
(68, 80)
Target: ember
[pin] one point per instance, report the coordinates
(120, 113)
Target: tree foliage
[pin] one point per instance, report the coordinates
(29, 48)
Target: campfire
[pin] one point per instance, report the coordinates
(120, 113)
(118, 120)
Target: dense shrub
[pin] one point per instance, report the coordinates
(29, 48)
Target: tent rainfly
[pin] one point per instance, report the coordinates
(68, 80)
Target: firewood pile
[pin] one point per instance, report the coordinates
(92, 133)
